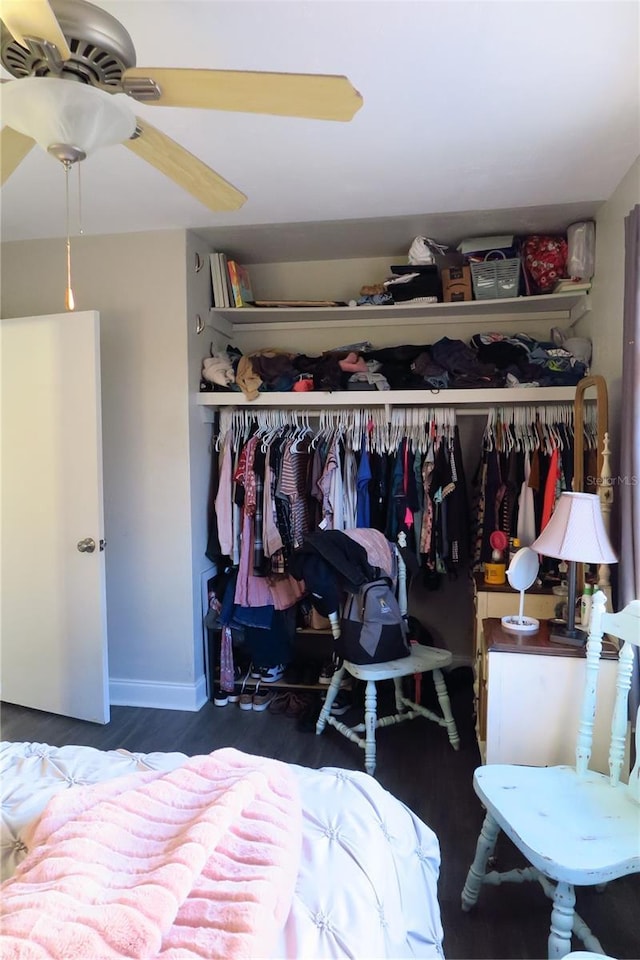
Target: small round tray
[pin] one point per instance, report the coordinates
(514, 625)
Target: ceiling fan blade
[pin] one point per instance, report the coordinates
(14, 147)
(33, 19)
(316, 96)
(183, 168)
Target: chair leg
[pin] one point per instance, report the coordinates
(477, 870)
(370, 717)
(334, 686)
(399, 693)
(445, 706)
(564, 900)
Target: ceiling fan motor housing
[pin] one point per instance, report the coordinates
(101, 49)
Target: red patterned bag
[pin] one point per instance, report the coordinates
(545, 262)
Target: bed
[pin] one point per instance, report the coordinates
(366, 868)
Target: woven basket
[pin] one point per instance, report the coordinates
(496, 278)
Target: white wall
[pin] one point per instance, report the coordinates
(138, 284)
(199, 300)
(604, 323)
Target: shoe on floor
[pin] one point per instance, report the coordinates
(246, 699)
(262, 699)
(220, 697)
(279, 703)
(297, 705)
(343, 702)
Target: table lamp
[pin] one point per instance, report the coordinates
(575, 533)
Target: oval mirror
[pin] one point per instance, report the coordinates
(522, 572)
(523, 569)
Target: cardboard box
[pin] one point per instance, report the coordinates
(456, 284)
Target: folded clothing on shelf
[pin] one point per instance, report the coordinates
(419, 282)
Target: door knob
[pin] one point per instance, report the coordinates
(87, 545)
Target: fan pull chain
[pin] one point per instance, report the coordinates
(69, 302)
(79, 167)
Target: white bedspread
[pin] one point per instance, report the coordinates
(367, 883)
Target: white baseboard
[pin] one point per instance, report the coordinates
(161, 696)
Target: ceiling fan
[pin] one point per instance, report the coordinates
(87, 61)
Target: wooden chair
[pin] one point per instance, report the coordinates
(421, 660)
(575, 827)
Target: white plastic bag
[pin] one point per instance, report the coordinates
(419, 252)
(581, 244)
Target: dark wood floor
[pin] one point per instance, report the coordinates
(417, 765)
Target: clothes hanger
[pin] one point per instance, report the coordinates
(489, 436)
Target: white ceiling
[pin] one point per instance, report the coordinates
(481, 106)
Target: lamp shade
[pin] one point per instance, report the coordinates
(576, 531)
(50, 110)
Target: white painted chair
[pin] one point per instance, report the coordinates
(574, 826)
(421, 660)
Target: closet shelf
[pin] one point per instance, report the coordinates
(560, 308)
(499, 396)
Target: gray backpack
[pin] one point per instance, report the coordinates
(372, 628)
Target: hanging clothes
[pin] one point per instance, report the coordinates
(288, 479)
(526, 528)
(525, 463)
(363, 479)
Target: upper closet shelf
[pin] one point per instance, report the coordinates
(469, 399)
(560, 308)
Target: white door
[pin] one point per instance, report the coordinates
(53, 653)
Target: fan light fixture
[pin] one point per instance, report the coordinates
(76, 65)
(59, 114)
(70, 121)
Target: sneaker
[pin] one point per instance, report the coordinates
(239, 674)
(326, 676)
(261, 700)
(245, 700)
(271, 674)
(326, 673)
(343, 702)
(220, 697)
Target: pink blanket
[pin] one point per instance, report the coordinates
(199, 862)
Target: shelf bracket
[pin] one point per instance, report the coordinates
(220, 324)
(580, 310)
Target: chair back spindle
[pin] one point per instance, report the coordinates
(626, 627)
(588, 712)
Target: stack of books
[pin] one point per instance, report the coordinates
(230, 282)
